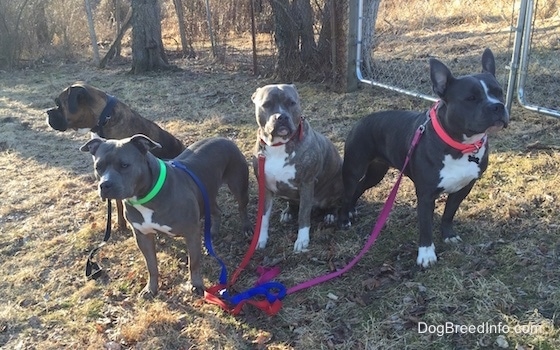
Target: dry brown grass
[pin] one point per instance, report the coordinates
(505, 272)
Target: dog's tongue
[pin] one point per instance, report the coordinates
(283, 131)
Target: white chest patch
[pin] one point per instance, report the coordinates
(457, 173)
(276, 168)
(148, 226)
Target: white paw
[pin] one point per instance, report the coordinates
(285, 216)
(263, 234)
(302, 241)
(261, 244)
(455, 239)
(329, 219)
(426, 256)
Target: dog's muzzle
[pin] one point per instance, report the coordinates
(280, 125)
(107, 190)
(56, 120)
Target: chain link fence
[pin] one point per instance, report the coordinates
(538, 86)
(406, 38)
(457, 32)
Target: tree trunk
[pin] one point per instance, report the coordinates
(325, 47)
(117, 42)
(41, 25)
(186, 46)
(210, 30)
(307, 37)
(147, 45)
(92, 35)
(118, 25)
(253, 37)
(371, 8)
(288, 63)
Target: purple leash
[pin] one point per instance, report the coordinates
(381, 220)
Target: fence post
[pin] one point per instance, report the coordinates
(343, 39)
(351, 43)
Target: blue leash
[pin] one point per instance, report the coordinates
(207, 218)
(270, 290)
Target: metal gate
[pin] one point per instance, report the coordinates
(524, 36)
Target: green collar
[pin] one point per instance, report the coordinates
(155, 190)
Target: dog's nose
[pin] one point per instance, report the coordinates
(281, 117)
(497, 107)
(105, 186)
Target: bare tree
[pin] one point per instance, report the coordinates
(288, 64)
(92, 35)
(299, 55)
(147, 44)
(210, 29)
(115, 45)
(371, 8)
(186, 46)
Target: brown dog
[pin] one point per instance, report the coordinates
(82, 106)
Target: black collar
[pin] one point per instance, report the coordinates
(105, 116)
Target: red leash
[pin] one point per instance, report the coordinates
(274, 306)
(213, 294)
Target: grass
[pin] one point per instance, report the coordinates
(505, 272)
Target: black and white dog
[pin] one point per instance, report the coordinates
(451, 155)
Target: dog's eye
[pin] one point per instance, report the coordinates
(57, 102)
(124, 165)
(98, 167)
(471, 98)
(267, 104)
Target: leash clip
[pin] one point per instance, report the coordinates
(422, 127)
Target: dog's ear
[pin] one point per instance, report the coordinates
(77, 94)
(144, 143)
(293, 86)
(92, 145)
(441, 76)
(488, 62)
(255, 94)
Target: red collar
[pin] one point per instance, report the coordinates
(299, 132)
(463, 147)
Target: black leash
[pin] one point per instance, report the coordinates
(93, 269)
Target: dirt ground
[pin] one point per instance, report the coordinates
(503, 277)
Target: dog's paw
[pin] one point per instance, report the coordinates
(263, 238)
(329, 219)
(197, 290)
(147, 294)
(426, 256)
(248, 230)
(344, 224)
(302, 241)
(301, 246)
(286, 216)
(453, 240)
(261, 245)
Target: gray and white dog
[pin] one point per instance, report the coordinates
(451, 155)
(301, 166)
(127, 171)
